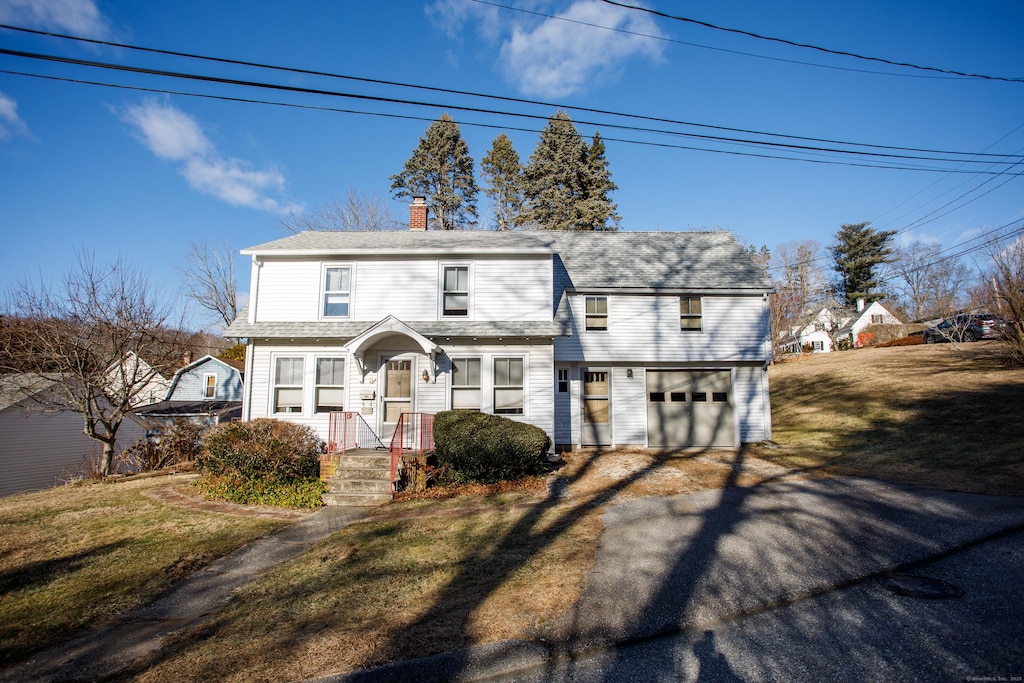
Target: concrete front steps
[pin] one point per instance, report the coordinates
(359, 478)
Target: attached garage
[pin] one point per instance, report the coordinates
(690, 409)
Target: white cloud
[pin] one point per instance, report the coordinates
(168, 132)
(10, 122)
(172, 134)
(558, 55)
(78, 17)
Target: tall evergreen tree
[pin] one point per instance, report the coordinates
(441, 170)
(599, 208)
(503, 174)
(564, 190)
(858, 252)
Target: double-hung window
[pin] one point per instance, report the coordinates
(209, 386)
(330, 385)
(597, 313)
(288, 385)
(466, 393)
(337, 291)
(690, 317)
(455, 291)
(508, 386)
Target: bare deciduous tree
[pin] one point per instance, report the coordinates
(1007, 278)
(355, 213)
(930, 286)
(209, 274)
(99, 340)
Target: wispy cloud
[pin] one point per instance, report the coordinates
(78, 17)
(173, 135)
(10, 122)
(560, 54)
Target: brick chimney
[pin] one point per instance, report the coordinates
(418, 214)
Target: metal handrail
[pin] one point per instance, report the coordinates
(348, 430)
(413, 433)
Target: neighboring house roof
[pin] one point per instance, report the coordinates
(171, 409)
(16, 387)
(863, 319)
(236, 366)
(593, 260)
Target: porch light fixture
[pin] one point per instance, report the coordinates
(629, 373)
(426, 376)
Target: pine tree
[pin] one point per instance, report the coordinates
(503, 174)
(858, 251)
(441, 170)
(599, 208)
(556, 178)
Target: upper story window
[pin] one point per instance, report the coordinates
(287, 392)
(209, 386)
(455, 291)
(330, 385)
(466, 393)
(597, 313)
(690, 317)
(337, 291)
(877, 319)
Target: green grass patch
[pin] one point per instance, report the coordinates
(74, 556)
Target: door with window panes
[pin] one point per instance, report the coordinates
(597, 404)
(396, 393)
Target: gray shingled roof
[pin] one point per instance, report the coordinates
(433, 329)
(659, 260)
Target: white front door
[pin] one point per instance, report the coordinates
(396, 392)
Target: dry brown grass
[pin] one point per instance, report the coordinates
(432, 575)
(73, 557)
(941, 416)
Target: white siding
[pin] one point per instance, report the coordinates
(512, 288)
(39, 450)
(629, 407)
(645, 329)
(288, 290)
(431, 396)
(753, 409)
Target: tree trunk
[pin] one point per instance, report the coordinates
(106, 458)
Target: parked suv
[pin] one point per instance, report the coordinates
(966, 328)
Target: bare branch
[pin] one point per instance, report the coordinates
(209, 275)
(355, 213)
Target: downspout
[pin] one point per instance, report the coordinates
(766, 409)
(250, 348)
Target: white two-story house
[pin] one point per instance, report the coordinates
(657, 340)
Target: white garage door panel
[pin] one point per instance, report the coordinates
(690, 409)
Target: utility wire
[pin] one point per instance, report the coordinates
(473, 124)
(516, 100)
(841, 53)
(675, 41)
(376, 98)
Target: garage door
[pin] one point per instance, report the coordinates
(690, 409)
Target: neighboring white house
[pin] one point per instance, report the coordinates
(39, 447)
(655, 340)
(832, 326)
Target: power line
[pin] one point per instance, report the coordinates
(646, 143)
(708, 47)
(516, 100)
(220, 80)
(841, 53)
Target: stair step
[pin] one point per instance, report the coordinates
(362, 473)
(356, 499)
(373, 460)
(359, 485)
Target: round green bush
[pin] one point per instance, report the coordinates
(488, 448)
(262, 449)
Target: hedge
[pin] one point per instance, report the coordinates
(486, 448)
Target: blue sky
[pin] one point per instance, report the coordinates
(140, 175)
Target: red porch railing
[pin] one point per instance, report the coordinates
(413, 433)
(348, 430)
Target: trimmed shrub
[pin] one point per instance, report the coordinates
(262, 449)
(484, 448)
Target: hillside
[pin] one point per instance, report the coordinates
(931, 415)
